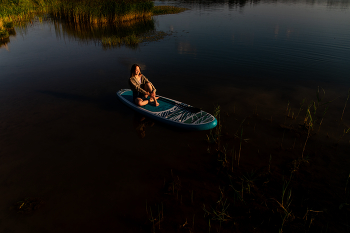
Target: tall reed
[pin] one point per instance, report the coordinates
(345, 106)
(86, 11)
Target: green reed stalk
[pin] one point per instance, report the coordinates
(240, 146)
(282, 139)
(233, 151)
(324, 113)
(301, 108)
(345, 106)
(192, 197)
(193, 222)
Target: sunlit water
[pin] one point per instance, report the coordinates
(65, 138)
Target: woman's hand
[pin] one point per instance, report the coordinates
(151, 94)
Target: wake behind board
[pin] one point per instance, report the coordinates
(171, 112)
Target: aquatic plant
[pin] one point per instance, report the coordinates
(162, 10)
(345, 105)
(155, 219)
(220, 212)
(98, 11)
(257, 196)
(15, 12)
(215, 134)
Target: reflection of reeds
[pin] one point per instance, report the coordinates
(97, 12)
(110, 35)
(87, 31)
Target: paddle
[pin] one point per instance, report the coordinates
(188, 108)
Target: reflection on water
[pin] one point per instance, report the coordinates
(344, 4)
(97, 32)
(140, 124)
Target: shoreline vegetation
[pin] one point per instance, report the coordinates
(265, 175)
(91, 13)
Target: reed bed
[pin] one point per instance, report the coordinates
(253, 185)
(107, 11)
(18, 12)
(111, 22)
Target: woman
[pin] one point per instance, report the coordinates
(141, 87)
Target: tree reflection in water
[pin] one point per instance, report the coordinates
(115, 34)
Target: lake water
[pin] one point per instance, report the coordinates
(67, 140)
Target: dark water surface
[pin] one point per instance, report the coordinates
(66, 139)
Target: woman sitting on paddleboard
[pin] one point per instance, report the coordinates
(141, 87)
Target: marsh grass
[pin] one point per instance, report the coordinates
(114, 41)
(220, 211)
(97, 12)
(162, 10)
(345, 105)
(113, 23)
(215, 134)
(283, 191)
(133, 40)
(155, 217)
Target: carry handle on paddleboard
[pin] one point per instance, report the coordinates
(188, 108)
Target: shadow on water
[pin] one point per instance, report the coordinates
(112, 104)
(105, 102)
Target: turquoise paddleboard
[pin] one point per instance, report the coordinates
(171, 112)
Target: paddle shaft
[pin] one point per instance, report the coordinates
(189, 108)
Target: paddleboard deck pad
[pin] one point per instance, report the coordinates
(171, 112)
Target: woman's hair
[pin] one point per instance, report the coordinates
(133, 68)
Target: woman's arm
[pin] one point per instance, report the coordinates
(136, 85)
(144, 80)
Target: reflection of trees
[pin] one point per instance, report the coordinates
(342, 3)
(242, 3)
(86, 31)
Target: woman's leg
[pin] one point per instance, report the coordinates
(148, 88)
(141, 102)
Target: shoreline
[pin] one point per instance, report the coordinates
(90, 12)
